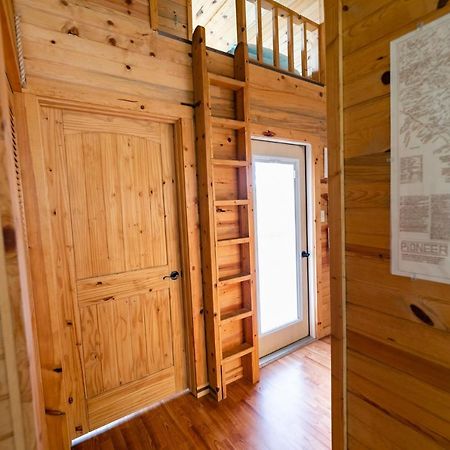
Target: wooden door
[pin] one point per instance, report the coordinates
(116, 177)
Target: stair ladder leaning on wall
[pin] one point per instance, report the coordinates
(226, 216)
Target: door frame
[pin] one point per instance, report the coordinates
(59, 388)
(310, 226)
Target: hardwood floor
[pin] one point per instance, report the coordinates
(288, 409)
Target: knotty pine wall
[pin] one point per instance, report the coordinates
(17, 419)
(103, 52)
(398, 367)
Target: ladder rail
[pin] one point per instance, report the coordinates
(222, 368)
(203, 128)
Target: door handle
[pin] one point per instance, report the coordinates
(305, 254)
(174, 275)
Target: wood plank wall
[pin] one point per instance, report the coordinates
(398, 367)
(19, 379)
(103, 53)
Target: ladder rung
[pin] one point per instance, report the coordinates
(233, 375)
(234, 279)
(239, 314)
(229, 162)
(226, 82)
(222, 122)
(231, 202)
(235, 353)
(235, 241)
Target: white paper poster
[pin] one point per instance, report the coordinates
(420, 152)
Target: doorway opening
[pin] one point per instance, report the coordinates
(283, 250)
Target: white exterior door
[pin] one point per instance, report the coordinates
(282, 243)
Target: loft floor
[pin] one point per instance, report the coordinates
(288, 409)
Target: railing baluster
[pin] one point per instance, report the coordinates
(154, 15)
(322, 52)
(291, 42)
(276, 37)
(259, 42)
(304, 51)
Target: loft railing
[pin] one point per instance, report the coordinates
(278, 36)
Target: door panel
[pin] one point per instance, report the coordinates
(134, 331)
(116, 201)
(118, 184)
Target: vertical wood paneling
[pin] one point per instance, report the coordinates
(123, 342)
(111, 190)
(138, 340)
(92, 351)
(91, 148)
(159, 334)
(108, 344)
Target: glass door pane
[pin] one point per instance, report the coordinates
(277, 228)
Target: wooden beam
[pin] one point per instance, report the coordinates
(333, 13)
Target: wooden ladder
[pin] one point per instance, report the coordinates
(226, 216)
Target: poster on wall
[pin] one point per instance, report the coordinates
(420, 152)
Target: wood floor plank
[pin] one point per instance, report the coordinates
(289, 409)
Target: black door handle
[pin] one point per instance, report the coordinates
(173, 276)
(305, 254)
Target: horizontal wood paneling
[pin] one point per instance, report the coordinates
(398, 360)
(104, 53)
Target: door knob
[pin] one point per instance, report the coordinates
(305, 254)
(174, 275)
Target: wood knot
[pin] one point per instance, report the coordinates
(442, 3)
(421, 315)
(73, 31)
(54, 412)
(9, 238)
(112, 41)
(386, 78)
